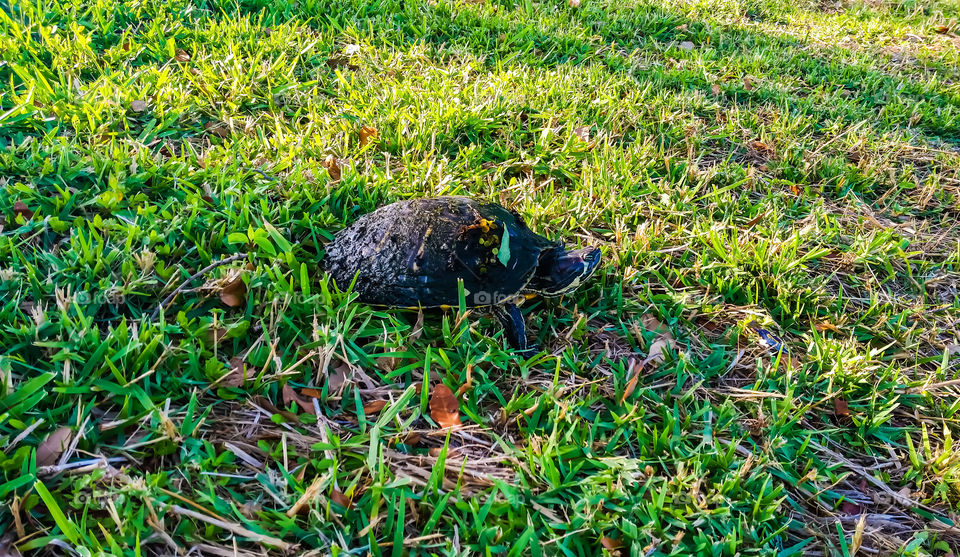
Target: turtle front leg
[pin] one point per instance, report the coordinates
(512, 320)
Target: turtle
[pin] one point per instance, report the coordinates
(414, 253)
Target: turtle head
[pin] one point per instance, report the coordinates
(560, 271)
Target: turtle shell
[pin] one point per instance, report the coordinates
(412, 253)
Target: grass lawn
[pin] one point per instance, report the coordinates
(766, 363)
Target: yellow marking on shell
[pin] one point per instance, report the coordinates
(487, 225)
(423, 244)
(386, 235)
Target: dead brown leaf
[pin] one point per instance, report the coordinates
(711, 325)
(841, 408)
(634, 372)
(660, 344)
(849, 507)
(234, 294)
(182, 55)
(339, 498)
(333, 167)
(290, 396)
(611, 544)
(785, 360)
(650, 322)
(53, 446)
(793, 361)
(452, 452)
(582, 133)
(312, 393)
(368, 134)
(417, 330)
(264, 403)
(810, 476)
(762, 147)
(659, 348)
(755, 220)
(748, 83)
(216, 334)
(20, 209)
(444, 407)
(336, 380)
(339, 61)
(374, 407)
(468, 384)
(217, 129)
(138, 106)
(827, 326)
(238, 375)
(715, 89)
(388, 364)
(574, 3)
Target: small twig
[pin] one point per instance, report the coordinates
(163, 535)
(23, 435)
(308, 496)
(67, 454)
(419, 540)
(166, 301)
(189, 502)
(932, 386)
(78, 467)
(568, 534)
(235, 528)
(735, 392)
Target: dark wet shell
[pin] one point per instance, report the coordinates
(413, 252)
